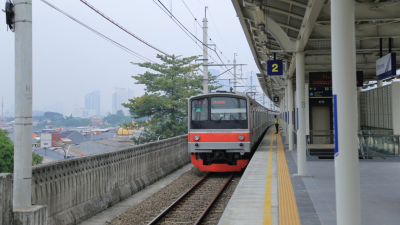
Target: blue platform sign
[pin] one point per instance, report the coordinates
(275, 67)
(276, 99)
(386, 66)
(335, 126)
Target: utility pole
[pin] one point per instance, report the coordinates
(23, 104)
(2, 107)
(205, 53)
(234, 72)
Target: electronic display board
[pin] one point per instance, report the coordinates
(324, 79)
(320, 92)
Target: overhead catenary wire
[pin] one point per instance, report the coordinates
(181, 25)
(186, 31)
(124, 29)
(100, 34)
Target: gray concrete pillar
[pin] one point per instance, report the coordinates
(301, 130)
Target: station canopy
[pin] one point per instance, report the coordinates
(284, 27)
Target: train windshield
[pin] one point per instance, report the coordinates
(227, 108)
(200, 109)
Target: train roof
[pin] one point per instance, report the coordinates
(222, 93)
(227, 93)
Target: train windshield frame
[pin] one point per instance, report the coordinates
(219, 112)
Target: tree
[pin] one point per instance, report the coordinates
(120, 113)
(7, 154)
(53, 116)
(168, 87)
(117, 119)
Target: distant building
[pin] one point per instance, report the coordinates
(83, 113)
(48, 140)
(121, 95)
(92, 102)
(74, 136)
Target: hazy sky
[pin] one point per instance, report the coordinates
(70, 61)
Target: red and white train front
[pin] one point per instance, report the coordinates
(219, 131)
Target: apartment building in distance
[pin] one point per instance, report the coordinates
(92, 102)
(121, 95)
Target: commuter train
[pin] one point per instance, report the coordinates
(224, 129)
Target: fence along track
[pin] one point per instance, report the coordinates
(184, 206)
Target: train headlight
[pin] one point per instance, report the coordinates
(241, 137)
(196, 137)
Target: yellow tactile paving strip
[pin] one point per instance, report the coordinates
(267, 218)
(288, 213)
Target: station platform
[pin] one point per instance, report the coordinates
(269, 194)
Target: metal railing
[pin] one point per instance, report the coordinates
(371, 144)
(381, 146)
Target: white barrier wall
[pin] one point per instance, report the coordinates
(376, 106)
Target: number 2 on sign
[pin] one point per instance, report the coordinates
(275, 67)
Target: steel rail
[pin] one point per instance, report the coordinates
(204, 213)
(163, 213)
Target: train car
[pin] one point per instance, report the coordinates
(224, 128)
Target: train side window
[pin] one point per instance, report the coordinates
(200, 109)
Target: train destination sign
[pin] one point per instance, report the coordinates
(275, 67)
(386, 66)
(324, 79)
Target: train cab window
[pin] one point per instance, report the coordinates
(200, 109)
(227, 108)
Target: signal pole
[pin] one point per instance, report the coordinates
(23, 104)
(205, 53)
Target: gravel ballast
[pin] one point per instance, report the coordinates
(147, 210)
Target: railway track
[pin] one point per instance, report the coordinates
(194, 205)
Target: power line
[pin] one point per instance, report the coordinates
(176, 23)
(124, 29)
(181, 24)
(100, 34)
(187, 32)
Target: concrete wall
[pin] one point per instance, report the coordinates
(76, 189)
(6, 194)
